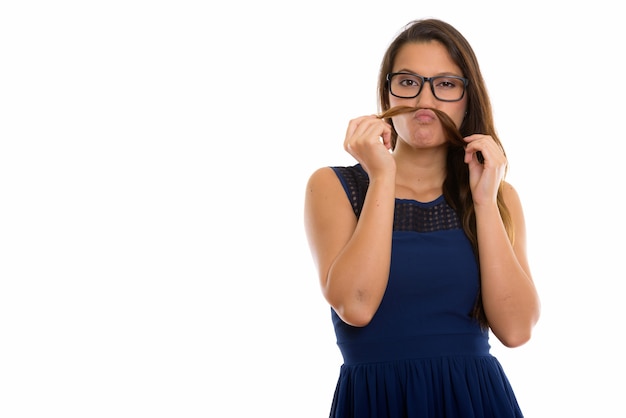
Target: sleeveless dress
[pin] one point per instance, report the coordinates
(422, 355)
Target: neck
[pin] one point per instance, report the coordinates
(420, 174)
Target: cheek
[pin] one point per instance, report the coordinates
(395, 101)
(458, 119)
(457, 114)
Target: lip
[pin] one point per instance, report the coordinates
(425, 115)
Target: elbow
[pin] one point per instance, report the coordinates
(354, 314)
(513, 340)
(355, 317)
(515, 331)
(513, 336)
(355, 307)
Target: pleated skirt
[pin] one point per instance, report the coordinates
(437, 387)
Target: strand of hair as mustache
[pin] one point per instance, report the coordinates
(448, 124)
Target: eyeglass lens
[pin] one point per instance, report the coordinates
(443, 87)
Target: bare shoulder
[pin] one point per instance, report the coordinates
(321, 177)
(510, 195)
(514, 206)
(328, 217)
(324, 188)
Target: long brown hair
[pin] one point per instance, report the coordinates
(478, 119)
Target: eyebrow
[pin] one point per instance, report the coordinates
(442, 74)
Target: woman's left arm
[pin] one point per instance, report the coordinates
(510, 298)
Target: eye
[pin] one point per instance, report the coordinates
(406, 80)
(448, 83)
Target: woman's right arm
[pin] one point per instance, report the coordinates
(352, 257)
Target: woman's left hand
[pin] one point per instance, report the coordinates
(485, 177)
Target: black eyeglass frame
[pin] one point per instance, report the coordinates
(432, 86)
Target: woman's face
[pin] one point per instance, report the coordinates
(428, 59)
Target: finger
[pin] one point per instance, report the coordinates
(368, 126)
(480, 145)
(386, 137)
(352, 125)
(355, 123)
(379, 133)
(469, 156)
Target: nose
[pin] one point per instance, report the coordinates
(426, 98)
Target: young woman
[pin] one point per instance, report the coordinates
(421, 245)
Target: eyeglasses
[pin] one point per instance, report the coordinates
(448, 88)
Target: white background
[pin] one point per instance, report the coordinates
(153, 160)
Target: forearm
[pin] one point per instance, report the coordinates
(358, 277)
(509, 295)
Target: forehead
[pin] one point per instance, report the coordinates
(425, 58)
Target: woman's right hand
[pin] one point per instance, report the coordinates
(368, 140)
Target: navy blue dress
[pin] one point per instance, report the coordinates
(422, 355)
